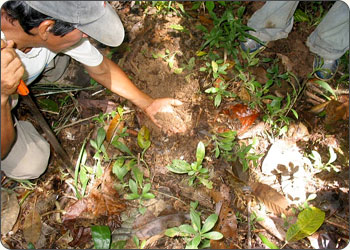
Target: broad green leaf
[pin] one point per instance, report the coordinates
(191, 180)
(178, 70)
(217, 100)
(209, 223)
(178, 27)
(195, 242)
(101, 135)
(143, 138)
(172, 232)
(210, 5)
(48, 105)
(194, 205)
(138, 175)
(132, 196)
(133, 186)
(196, 220)
(148, 196)
(211, 90)
(301, 16)
(200, 152)
(93, 144)
(326, 86)
(309, 221)
(142, 210)
(121, 146)
(120, 172)
(214, 66)
(213, 235)
(333, 155)
(267, 242)
(136, 240)
(146, 188)
(201, 53)
(101, 236)
(185, 228)
(240, 11)
(179, 167)
(208, 184)
(84, 179)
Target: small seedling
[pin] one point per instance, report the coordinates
(245, 154)
(196, 235)
(316, 157)
(195, 169)
(137, 242)
(224, 143)
(170, 59)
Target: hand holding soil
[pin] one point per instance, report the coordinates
(163, 113)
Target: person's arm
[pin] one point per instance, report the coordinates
(110, 75)
(11, 73)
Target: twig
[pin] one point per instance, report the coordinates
(168, 195)
(52, 212)
(249, 234)
(338, 225)
(76, 122)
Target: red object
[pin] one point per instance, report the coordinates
(244, 114)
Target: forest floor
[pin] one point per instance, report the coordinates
(269, 153)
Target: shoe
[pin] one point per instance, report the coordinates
(325, 69)
(251, 46)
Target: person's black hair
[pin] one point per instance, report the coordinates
(30, 18)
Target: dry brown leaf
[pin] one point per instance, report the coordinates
(273, 200)
(32, 226)
(243, 94)
(9, 211)
(115, 124)
(336, 111)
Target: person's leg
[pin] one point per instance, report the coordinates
(29, 156)
(273, 21)
(330, 39)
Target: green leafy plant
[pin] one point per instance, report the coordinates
(309, 221)
(227, 32)
(224, 143)
(196, 235)
(195, 169)
(267, 242)
(101, 236)
(316, 157)
(245, 154)
(137, 242)
(80, 174)
(170, 59)
(219, 92)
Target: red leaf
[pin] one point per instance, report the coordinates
(243, 113)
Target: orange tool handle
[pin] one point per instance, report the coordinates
(22, 88)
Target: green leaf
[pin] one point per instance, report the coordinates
(132, 196)
(136, 240)
(301, 16)
(196, 240)
(148, 196)
(142, 210)
(185, 228)
(208, 184)
(133, 186)
(179, 167)
(267, 242)
(217, 100)
(333, 156)
(121, 146)
(196, 220)
(309, 221)
(146, 188)
(119, 171)
(211, 90)
(210, 5)
(172, 232)
(213, 235)
(200, 152)
(31, 246)
(101, 236)
(83, 179)
(101, 135)
(326, 86)
(209, 223)
(214, 66)
(48, 105)
(138, 175)
(143, 138)
(93, 144)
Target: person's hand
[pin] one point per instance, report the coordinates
(162, 113)
(11, 70)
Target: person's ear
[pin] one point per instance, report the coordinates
(44, 29)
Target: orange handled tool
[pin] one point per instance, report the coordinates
(22, 88)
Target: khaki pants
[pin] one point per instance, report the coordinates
(29, 155)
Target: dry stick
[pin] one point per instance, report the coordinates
(50, 135)
(249, 234)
